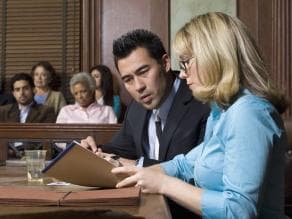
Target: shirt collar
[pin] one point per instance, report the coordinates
(26, 107)
(165, 106)
(216, 110)
(76, 106)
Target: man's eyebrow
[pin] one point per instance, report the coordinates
(136, 71)
(125, 76)
(140, 68)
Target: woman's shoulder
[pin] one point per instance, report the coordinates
(252, 109)
(56, 93)
(105, 108)
(249, 101)
(69, 107)
(116, 98)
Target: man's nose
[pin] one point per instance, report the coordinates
(21, 91)
(139, 85)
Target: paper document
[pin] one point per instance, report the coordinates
(81, 166)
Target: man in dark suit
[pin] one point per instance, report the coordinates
(25, 110)
(161, 102)
(144, 68)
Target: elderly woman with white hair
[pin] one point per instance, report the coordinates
(85, 109)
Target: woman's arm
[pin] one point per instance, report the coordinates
(154, 180)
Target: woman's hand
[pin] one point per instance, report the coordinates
(150, 180)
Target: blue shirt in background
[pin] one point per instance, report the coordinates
(117, 105)
(40, 99)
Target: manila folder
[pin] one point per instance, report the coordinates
(80, 166)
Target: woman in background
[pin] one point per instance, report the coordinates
(43, 74)
(85, 109)
(238, 170)
(104, 92)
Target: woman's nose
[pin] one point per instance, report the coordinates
(182, 74)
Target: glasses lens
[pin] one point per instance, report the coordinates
(182, 66)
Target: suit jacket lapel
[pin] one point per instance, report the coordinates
(176, 113)
(33, 112)
(141, 129)
(14, 113)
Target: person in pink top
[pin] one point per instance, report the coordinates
(85, 109)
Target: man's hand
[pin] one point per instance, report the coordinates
(112, 158)
(127, 162)
(89, 143)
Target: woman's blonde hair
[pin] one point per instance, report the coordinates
(227, 60)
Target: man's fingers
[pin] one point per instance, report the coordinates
(84, 143)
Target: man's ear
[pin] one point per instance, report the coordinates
(13, 93)
(166, 62)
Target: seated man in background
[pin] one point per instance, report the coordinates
(164, 119)
(25, 110)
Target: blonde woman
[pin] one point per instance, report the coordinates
(238, 170)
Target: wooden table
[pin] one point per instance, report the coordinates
(151, 206)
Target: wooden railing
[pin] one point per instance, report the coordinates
(47, 134)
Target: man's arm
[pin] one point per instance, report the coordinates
(122, 143)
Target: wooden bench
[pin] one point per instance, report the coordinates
(50, 133)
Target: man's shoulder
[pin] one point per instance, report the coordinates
(184, 94)
(8, 107)
(135, 107)
(9, 113)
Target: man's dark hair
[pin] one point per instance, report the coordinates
(21, 77)
(130, 41)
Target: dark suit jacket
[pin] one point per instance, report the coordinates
(37, 114)
(183, 130)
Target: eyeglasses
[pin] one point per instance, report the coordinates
(184, 64)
